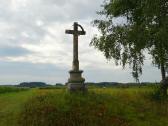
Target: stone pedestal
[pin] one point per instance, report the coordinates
(76, 82)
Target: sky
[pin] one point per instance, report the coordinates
(34, 46)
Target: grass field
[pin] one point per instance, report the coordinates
(131, 106)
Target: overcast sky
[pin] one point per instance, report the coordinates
(34, 46)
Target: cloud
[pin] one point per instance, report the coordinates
(15, 73)
(13, 51)
(39, 26)
(32, 37)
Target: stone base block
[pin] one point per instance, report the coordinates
(77, 87)
(76, 81)
(76, 77)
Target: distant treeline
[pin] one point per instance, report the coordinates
(100, 84)
(33, 84)
(38, 85)
(113, 84)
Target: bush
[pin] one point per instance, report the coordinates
(156, 94)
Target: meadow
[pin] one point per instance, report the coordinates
(117, 106)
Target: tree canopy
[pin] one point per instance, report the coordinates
(145, 30)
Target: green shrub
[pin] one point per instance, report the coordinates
(156, 94)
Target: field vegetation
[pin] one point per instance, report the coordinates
(117, 106)
(9, 89)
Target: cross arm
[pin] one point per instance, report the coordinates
(73, 32)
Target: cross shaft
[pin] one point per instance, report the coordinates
(76, 33)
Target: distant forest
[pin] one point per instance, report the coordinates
(99, 84)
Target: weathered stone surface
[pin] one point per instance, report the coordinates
(76, 81)
(76, 77)
(77, 87)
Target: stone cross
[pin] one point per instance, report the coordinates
(76, 82)
(76, 33)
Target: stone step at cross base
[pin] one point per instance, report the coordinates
(76, 82)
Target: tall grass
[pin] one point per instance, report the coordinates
(8, 89)
(11, 104)
(99, 107)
